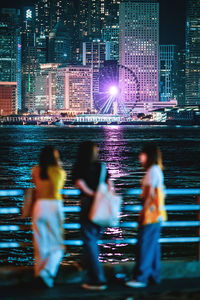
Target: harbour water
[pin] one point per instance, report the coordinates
(119, 148)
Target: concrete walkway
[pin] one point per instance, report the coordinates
(180, 280)
(168, 290)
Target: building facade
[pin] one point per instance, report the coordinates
(45, 87)
(110, 34)
(75, 84)
(94, 55)
(10, 49)
(29, 58)
(139, 51)
(60, 44)
(94, 15)
(178, 80)
(167, 60)
(8, 98)
(192, 92)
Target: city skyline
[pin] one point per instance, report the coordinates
(147, 71)
(172, 16)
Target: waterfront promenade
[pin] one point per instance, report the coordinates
(17, 283)
(180, 278)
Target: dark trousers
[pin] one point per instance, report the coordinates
(148, 254)
(90, 235)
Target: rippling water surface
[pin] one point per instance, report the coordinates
(119, 148)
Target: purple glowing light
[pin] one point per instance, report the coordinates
(113, 90)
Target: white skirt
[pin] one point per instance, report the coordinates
(47, 238)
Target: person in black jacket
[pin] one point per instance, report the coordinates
(85, 176)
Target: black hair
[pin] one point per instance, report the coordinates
(154, 155)
(47, 158)
(86, 153)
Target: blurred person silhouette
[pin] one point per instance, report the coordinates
(85, 176)
(47, 217)
(147, 267)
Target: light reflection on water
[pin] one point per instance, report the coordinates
(119, 148)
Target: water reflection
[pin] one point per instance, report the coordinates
(20, 146)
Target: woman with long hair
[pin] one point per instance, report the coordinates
(49, 178)
(86, 173)
(147, 267)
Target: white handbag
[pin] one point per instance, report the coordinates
(105, 209)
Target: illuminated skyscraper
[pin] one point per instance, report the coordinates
(49, 14)
(29, 58)
(10, 49)
(8, 98)
(60, 44)
(94, 55)
(94, 15)
(178, 81)
(111, 34)
(192, 92)
(45, 87)
(167, 60)
(74, 86)
(139, 51)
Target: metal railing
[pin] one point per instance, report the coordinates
(126, 224)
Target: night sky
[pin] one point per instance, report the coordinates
(172, 19)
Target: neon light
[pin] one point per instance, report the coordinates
(73, 243)
(9, 210)
(117, 241)
(70, 192)
(9, 245)
(9, 228)
(72, 226)
(76, 192)
(5, 193)
(29, 83)
(71, 209)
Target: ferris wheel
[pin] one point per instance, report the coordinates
(113, 90)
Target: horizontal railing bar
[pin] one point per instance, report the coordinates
(72, 226)
(71, 209)
(168, 207)
(76, 192)
(122, 225)
(165, 224)
(131, 208)
(131, 241)
(9, 227)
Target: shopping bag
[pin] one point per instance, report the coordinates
(105, 209)
(29, 199)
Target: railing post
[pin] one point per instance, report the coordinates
(198, 230)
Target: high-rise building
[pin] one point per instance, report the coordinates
(167, 60)
(192, 92)
(41, 49)
(89, 19)
(45, 87)
(29, 58)
(75, 86)
(178, 80)
(8, 98)
(110, 34)
(10, 49)
(60, 44)
(94, 55)
(49, 13)
(94, 15)
(139, 51)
